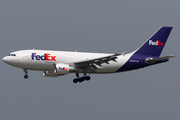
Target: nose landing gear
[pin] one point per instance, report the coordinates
(26, 76)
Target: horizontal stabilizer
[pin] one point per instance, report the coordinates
(153, 60)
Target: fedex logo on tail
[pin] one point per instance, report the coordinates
(46, 57)
(157, 43)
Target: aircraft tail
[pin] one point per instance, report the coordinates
(155, 44)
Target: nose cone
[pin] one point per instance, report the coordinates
(5, 59)
(11, 60)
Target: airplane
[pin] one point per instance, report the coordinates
(58, 63)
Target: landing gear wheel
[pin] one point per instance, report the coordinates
(81, 79)
(75, 80)
(88, 78)
(25, 76)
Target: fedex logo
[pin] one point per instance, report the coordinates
(52, 72)
(158, 43)
(46, 57)
(62, 68)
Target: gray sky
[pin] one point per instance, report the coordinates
(108, 26)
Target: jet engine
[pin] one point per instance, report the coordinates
(59, 70)
(49, 74)
(62, 69)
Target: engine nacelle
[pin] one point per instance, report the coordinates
(62, 69)
(49, 74)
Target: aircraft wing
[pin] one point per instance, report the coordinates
(153, 60)
(97, 61)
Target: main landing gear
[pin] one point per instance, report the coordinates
(25, 76)
(81, 79)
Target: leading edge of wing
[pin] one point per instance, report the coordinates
(98, 61)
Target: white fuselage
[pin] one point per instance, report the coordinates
(35, 60)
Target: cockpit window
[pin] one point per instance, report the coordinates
(12, 55)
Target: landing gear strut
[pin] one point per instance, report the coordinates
(25, 76)
(81, 79)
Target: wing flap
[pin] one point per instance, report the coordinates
(97, 61)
